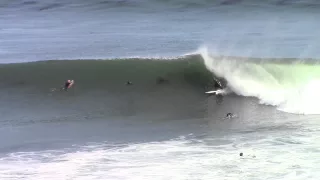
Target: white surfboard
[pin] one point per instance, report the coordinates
(217, 92)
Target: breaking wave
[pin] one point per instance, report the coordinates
(290, 84)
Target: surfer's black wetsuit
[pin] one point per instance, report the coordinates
(66, 85)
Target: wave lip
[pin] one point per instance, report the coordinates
(291, 86)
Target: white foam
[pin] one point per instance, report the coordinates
(174, 159)
(306, 100)
(277, 85)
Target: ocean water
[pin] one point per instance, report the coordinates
(264, 55)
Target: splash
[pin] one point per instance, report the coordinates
(291, 86)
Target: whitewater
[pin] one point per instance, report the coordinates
(291, 85)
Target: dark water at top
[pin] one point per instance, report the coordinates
(40, 30)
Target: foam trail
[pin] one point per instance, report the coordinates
(292, 87)
(306, 102)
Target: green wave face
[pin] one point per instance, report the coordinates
(108, 74)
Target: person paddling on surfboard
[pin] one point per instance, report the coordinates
(68, 84)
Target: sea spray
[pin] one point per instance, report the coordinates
(291, 86)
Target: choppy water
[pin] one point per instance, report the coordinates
(163, 126)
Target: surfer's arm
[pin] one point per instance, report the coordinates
(72, 82)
